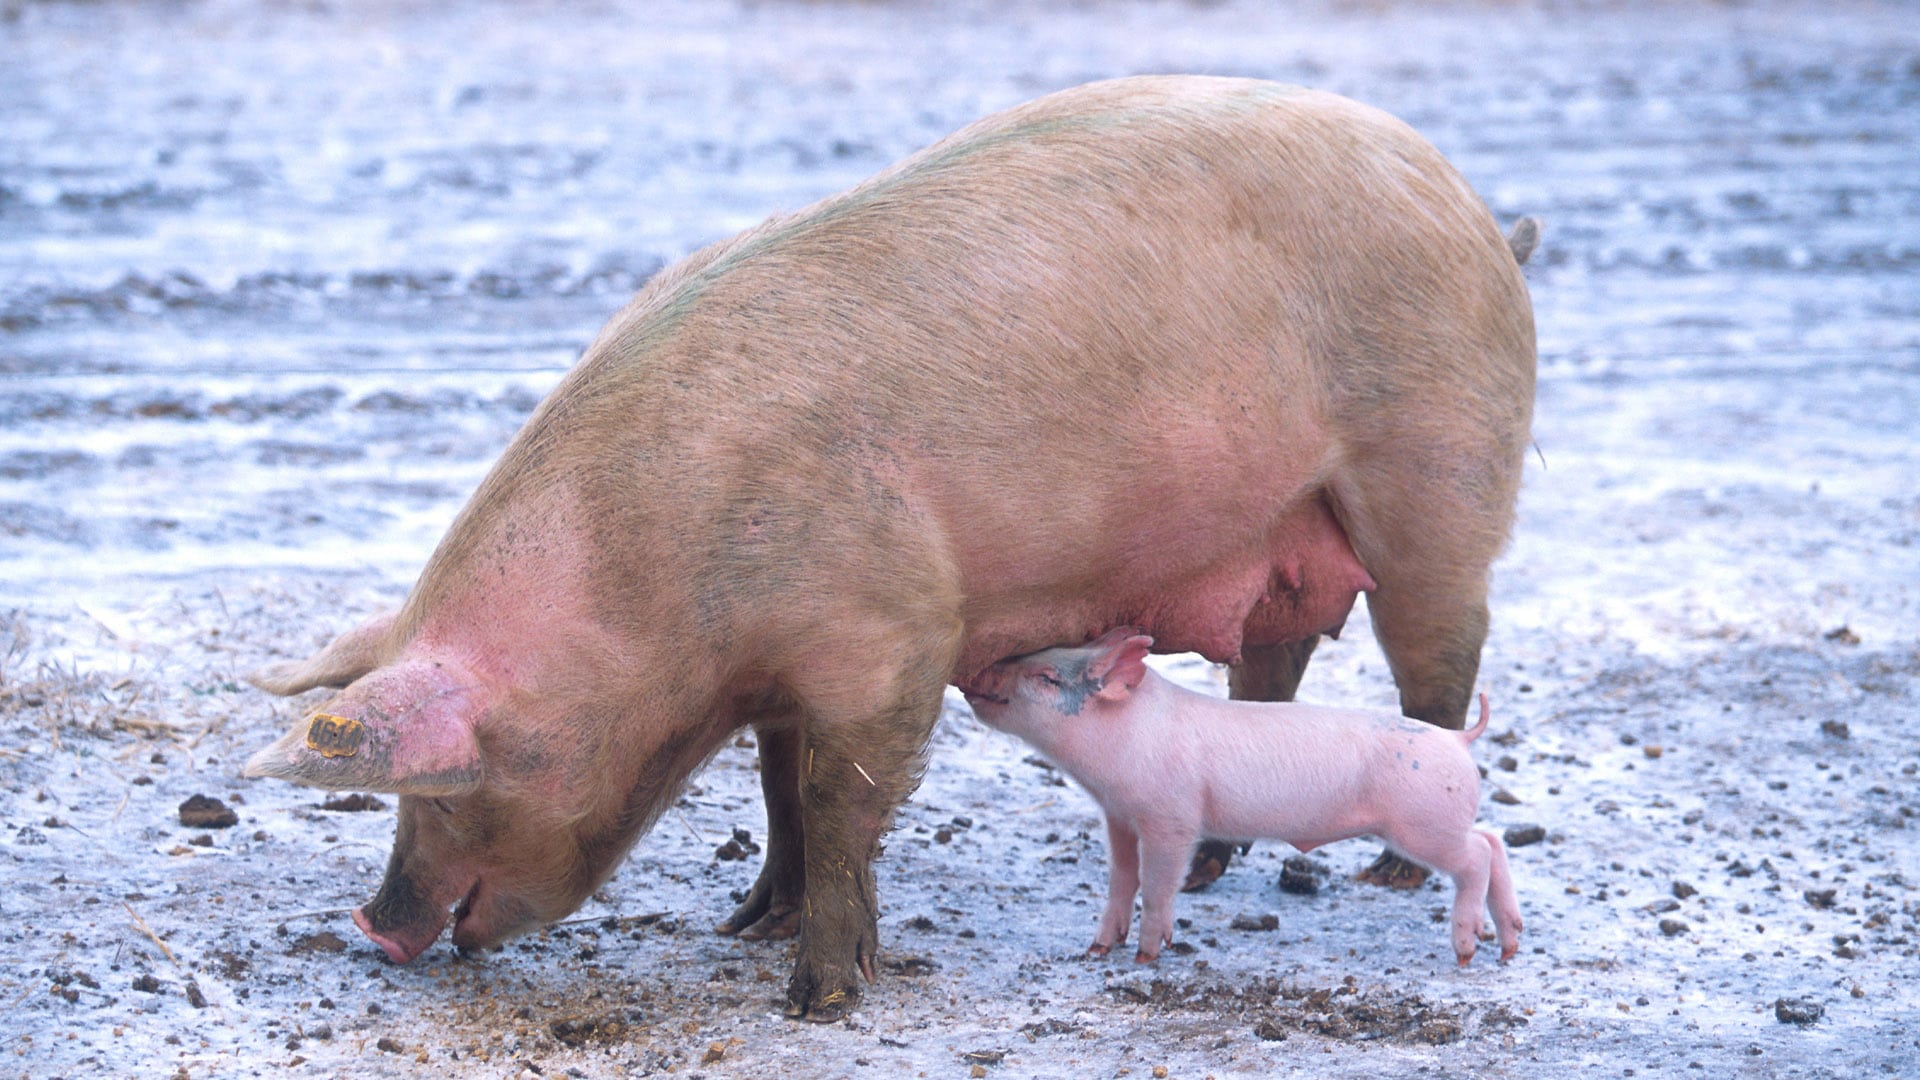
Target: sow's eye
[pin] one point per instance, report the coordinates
(441, 805)
(1048, 678)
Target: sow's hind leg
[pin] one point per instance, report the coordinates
(868, 723)
(1429, 537)
(1264, 673)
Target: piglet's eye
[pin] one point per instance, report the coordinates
(442, 805)
(1047, 677)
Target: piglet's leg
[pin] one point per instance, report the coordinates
(1500, 896)
(1123, 882)
(1465, 858)
(1163, 865)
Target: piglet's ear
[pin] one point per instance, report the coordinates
(407, 729)
(1121, 665)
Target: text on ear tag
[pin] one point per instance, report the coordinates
(335, 736)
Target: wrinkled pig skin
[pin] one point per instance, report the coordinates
(1169, 765)
(1206, 356)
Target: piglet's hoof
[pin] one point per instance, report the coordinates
(1394, 872)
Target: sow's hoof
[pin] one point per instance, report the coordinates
(762, 922)
(1394, 872)
(819, 998)
(1210, 861)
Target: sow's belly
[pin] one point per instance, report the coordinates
(1300, 581)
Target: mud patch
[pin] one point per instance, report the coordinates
(1274, 1010)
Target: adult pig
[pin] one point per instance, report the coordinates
(1205, 356)
(1168, 766)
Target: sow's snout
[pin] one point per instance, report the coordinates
(403, 918)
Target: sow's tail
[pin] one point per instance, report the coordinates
(1524, 237)
(1480, 728)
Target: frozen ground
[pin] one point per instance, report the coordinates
(277, 281)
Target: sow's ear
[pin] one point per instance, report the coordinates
(1121, 665)
(345, 659)
(407, 729)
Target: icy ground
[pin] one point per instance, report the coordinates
(278, 281)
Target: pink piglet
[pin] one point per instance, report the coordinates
(1170, 766)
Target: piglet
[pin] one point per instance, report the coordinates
(1169, 766)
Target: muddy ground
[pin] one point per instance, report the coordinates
(278, 281)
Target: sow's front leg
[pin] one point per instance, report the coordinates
(772, 910)
(864, 755)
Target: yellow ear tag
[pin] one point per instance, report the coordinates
(335, 736)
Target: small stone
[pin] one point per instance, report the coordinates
(1268, 1031)
(146, 983)
(1652, 751)
(390, 1046)
(1836, 729)
(943, 836)
(353, 804)
(1250, 922)
(1820, 898)
(322, 1032)
(194, 997)
(1524, 835)
(1842, 634)
(1802, 1011)
(1673, 927)
(1507, 763)
(715, 1052)
(1682, 890)
(1505, 797)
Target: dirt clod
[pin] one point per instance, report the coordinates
(1836, 729)
(206, 812)
(589, 1030)
(910, 965)
(390, 1046)
(1302, 876)
(353, 804)
(1674, 927)
(1256, 922)
(325, 941)
(146, 983)
(1524, 835)
(1802, 1011)
(738, 846)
